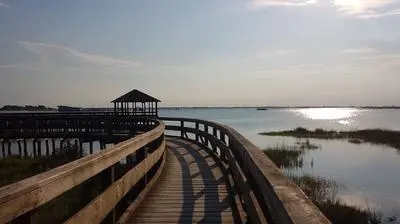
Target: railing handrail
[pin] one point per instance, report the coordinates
(279, 198)
(28, 194)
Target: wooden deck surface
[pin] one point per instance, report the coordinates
(191, 189)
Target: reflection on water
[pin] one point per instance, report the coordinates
(343, 116)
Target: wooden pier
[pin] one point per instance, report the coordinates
(156, 170)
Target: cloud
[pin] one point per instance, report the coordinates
(379, 15)
(4, 5)
(313, 68)
(57, 55)
(284, 52)
(367, 8)
(361, 50)
(265, 3)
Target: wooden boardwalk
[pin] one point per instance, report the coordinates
(191, 189)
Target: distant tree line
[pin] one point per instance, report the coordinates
(26, 108)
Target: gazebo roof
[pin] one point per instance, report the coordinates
(135, 96)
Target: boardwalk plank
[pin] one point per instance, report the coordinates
(191, 189)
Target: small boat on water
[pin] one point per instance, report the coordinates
(262, 108)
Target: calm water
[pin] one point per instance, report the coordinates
(370, 174)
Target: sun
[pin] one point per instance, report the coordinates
(352, 6)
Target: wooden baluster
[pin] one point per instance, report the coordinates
(81, 145)
(112, 179)
(47, 147)
(198, 129)
(206, 130)
(25, 148)
(53, 145)
(39, 148)
(182, 131)
(3, 149)
(214, 146)
(9, 148)
(34, 147)
(91, 147)
(19, 148)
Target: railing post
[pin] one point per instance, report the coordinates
(114, 211)
(39, 148)
(206, 130)
(53, 145)
(90, 147)
(25, 148)
(182, 132)
(9, 148)
(47, 147)
(19, 148)
(197, 129)
(30, 217)
(80, 146)
(223, 154)
(34, 147)
(214, 147)
(3, 149)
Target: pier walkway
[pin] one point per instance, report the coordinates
(192, 188)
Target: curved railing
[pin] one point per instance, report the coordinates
(266, 195)
(144, 152)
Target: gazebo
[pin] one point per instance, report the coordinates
(136, 103)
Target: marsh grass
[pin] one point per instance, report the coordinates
(14, 168)
(306, 145)
(374, 136)
(284, 158)
(322, 191)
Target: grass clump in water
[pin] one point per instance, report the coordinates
(285, 158)
(375, 136)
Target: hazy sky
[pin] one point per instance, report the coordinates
(201, 52)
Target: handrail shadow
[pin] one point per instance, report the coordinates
(210, 192)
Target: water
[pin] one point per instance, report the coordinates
(369, 174)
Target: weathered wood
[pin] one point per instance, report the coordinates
(139, 199)
(97, 210)
(180, 196)
(30, 193)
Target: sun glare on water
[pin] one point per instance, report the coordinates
(341, 115)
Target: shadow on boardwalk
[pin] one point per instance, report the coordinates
(191, 189)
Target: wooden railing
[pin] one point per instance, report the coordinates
(145, 153)
(70, 125)
(266, 195)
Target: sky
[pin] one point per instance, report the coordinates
(200, 53)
